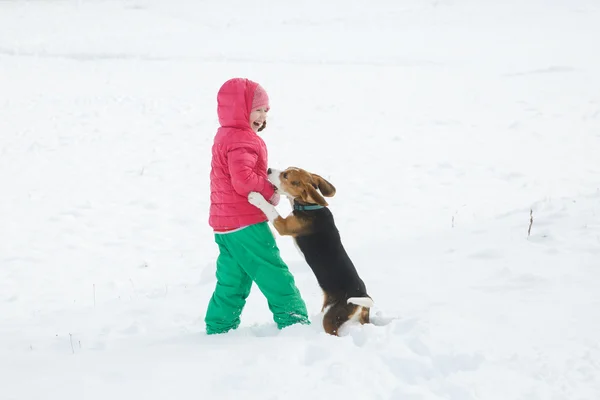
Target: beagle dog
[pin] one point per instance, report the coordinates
(313, 229)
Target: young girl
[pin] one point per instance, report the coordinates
(248, 252)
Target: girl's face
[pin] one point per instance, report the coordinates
(257, 118)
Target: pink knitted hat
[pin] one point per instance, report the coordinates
(261, 99)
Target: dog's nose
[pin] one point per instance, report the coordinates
(269, 171)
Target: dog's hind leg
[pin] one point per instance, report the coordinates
(364, 317)
(325, 301)
(336, 316)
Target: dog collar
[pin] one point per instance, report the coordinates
(309, 207)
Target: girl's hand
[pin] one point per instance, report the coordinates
(274, 199)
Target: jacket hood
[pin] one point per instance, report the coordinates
(234, 102)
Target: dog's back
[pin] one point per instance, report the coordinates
(326, 256)
(345, 292)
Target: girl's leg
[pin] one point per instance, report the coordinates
(255, 249)
(229, 298)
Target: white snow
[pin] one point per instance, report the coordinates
(441, 124)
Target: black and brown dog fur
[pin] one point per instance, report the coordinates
(317, 237)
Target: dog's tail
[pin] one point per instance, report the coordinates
(361, 301)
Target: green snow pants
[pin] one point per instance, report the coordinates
(246, 256)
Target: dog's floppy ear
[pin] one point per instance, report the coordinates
(311, 195)
(325, 187)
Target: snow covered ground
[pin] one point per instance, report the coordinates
(443, 124)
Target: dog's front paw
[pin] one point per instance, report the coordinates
(256, 199)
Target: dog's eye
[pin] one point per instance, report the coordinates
(285, 175)
(295, 183)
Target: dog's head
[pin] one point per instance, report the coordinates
(298, 184)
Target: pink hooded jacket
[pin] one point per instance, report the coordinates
(239, 160)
